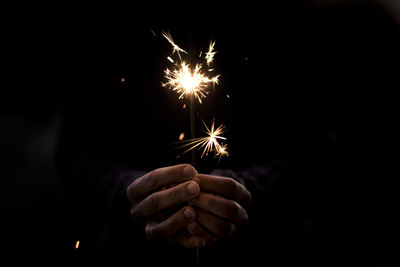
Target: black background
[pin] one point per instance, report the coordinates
(297, 74)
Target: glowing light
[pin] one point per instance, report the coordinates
(190, 80)
(185, 80)
(212, 143)
(211, 53)
(77, 244)
(181, 136)
(175, 48)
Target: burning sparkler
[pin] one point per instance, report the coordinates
(194, 83)
(212, 143)
(184, 79)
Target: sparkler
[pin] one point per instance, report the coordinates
(184, 79)
(212, 143)
(194, 83)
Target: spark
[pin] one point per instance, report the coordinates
(212, 143)
(211, 53)
(181, 136)
(175, 48)
(186, 80)
(191, 80)
(77, 244)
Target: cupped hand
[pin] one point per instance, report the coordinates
(161, 190)
(221, 205)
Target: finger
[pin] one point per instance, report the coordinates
(221, 207)
(216, 225)
(165, 199)
(224, 186)
(156, 179)
(187, 240)
(195, 229)
(177, 221)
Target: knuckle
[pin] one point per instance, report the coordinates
(151, 180)
(130, 191)
(233, 209)
(232, 186)
(174, 194)
(249, 198)
(237, 213)
(211, 202)
(245, 218)
(134, 214)
(153, 203)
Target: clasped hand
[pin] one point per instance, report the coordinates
(181, 206)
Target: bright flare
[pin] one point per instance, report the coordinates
(175, 48)
(185, 80)
(210, 143)
(210, 54)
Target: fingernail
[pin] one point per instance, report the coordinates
(189, 213)
(192, 188)
(200, 243)
(189, 171)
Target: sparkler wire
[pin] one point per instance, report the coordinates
(192, 81)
